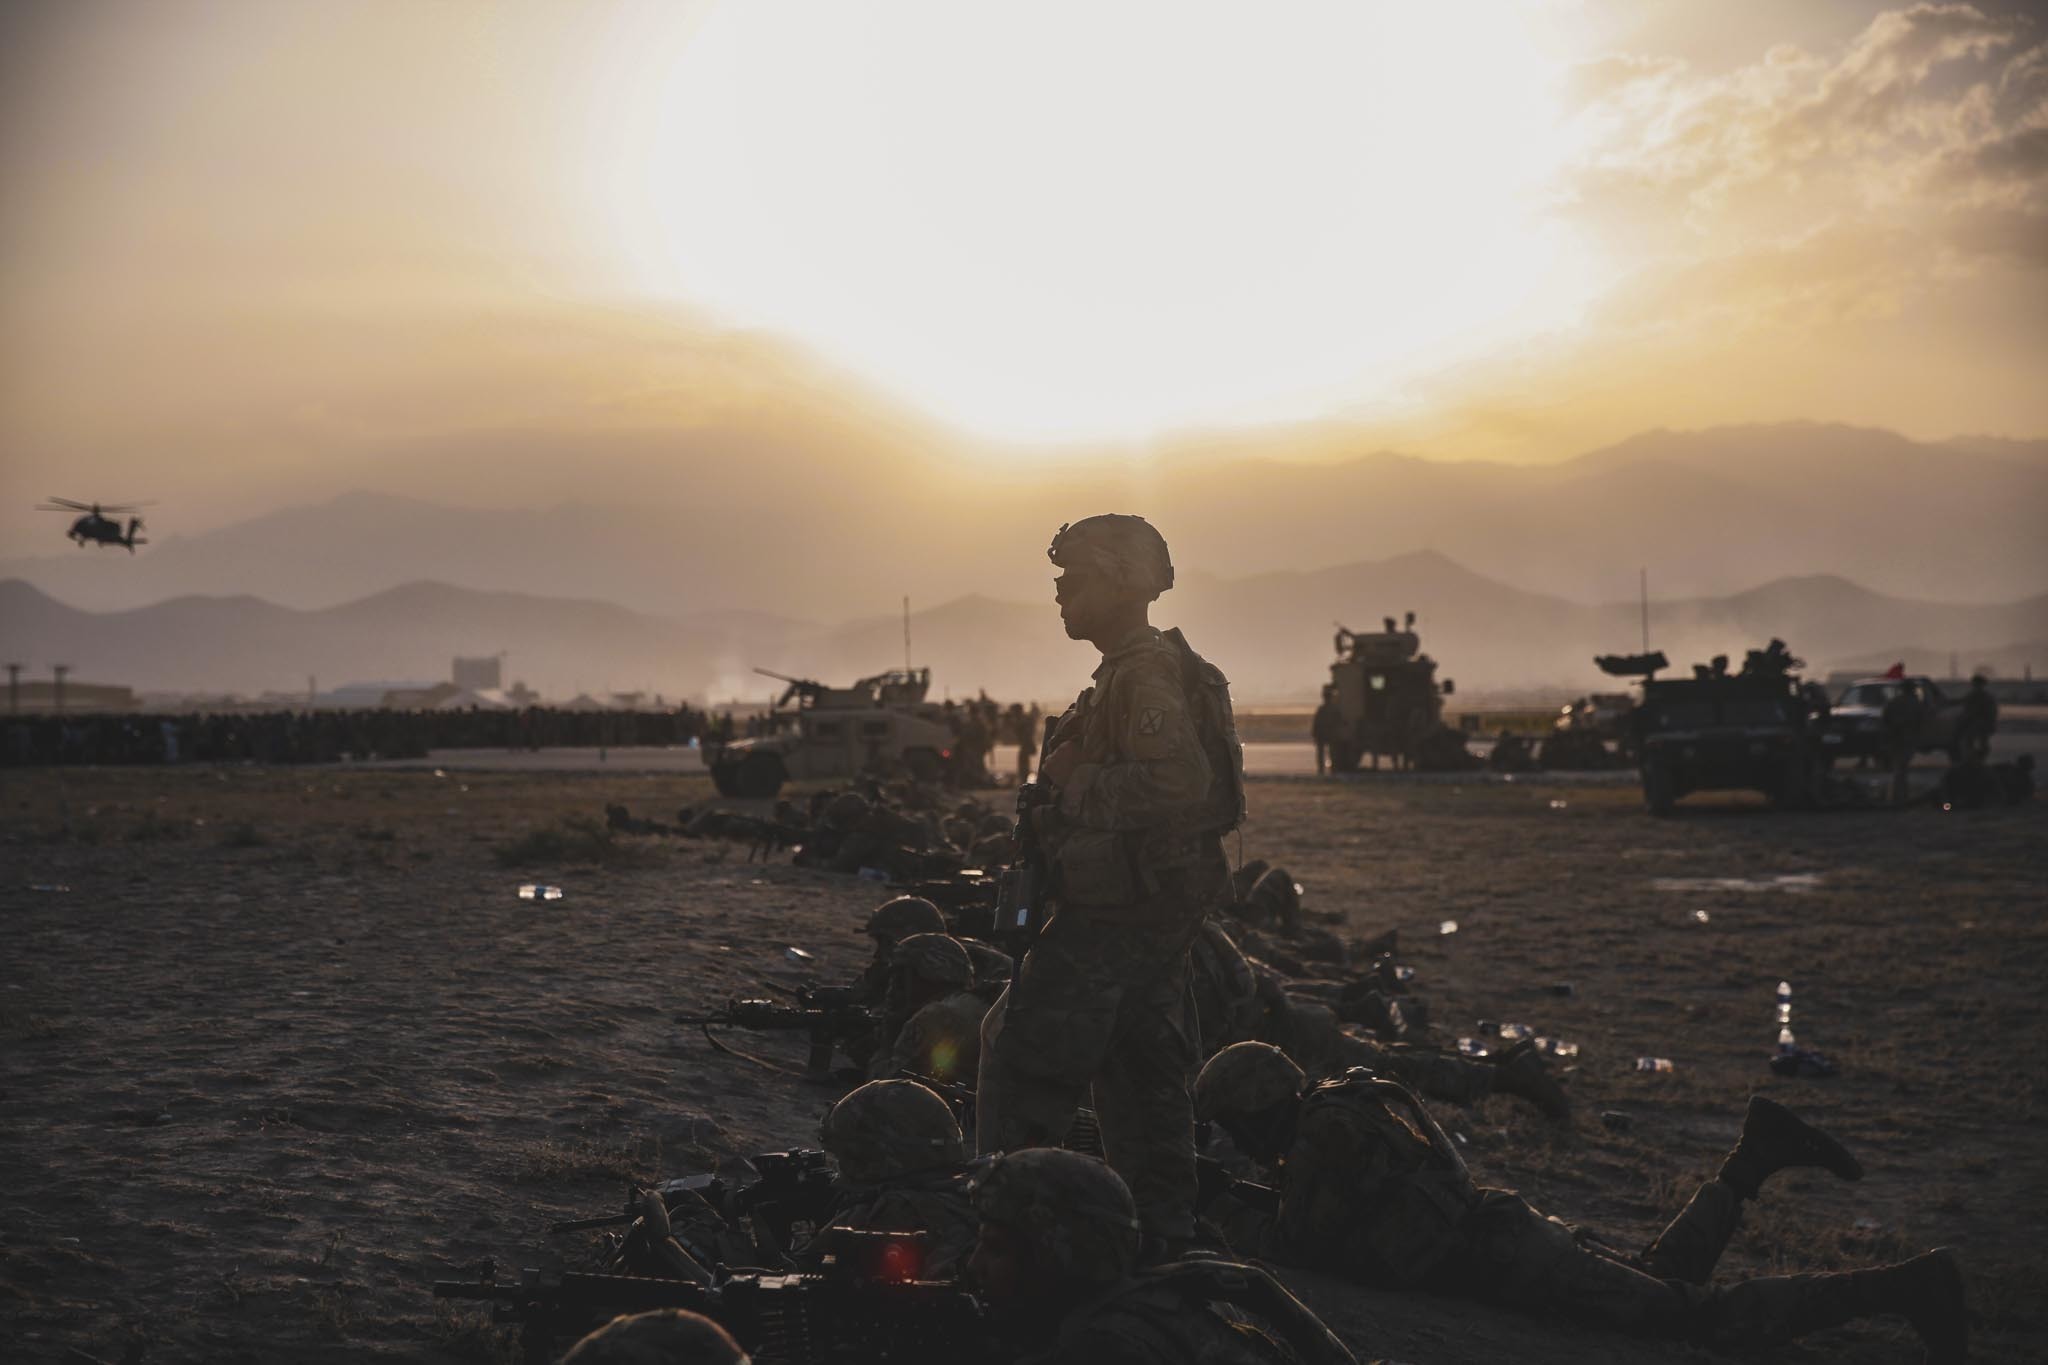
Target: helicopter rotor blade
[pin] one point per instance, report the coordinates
(74, 506)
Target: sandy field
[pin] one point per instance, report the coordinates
(279, 1047)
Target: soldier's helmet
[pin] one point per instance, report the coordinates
(906, 915)
(1245, 1078)
(1125, 547)
(887, 1129)
(666, 1336)
(936, 958)
(1072, 1212)
(992, 824)
(846, 810)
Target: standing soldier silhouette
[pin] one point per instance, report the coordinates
(1144, 775)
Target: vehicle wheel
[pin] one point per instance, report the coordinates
(1660, 788)
(760, 775)
(726, 776)
(1343, 757)
(925, 765)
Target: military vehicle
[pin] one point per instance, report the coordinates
(1855, 724)
(1390, 702)
(881, 725)
(1722, 731)
(1579, 737)
(95, 527)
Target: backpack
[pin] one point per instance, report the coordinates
(1208, 694)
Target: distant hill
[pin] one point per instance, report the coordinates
(1270, 632)
(678, 522)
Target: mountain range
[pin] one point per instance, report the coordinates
(1269, 632)
(684, 522)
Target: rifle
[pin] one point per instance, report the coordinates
(794, 1193)
(867, 1304)
(1020, 902)
(827, 1013)
(968, 890)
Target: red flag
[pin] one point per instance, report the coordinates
(1897, 670)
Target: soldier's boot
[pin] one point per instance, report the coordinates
(1520, 1071)
(1775, 1139)
(1692, 1243)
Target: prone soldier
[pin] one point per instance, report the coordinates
(1055, 1263)
(903, 1165)
(931, 1018)
(1370, 1188)
(1238, 1001)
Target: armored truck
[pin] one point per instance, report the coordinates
(881, 725)
(1390, 703)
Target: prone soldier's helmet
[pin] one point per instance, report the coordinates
(1126, 548)
(887, 1129)
(992, 824)
(906, 915)
(1245, 1078)
(1073, 1213)
(846, 810)
(666, 1336)
(936, 958)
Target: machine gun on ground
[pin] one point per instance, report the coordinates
(826, 1013)
(868, 1304)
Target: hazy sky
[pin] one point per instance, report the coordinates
(254, 251)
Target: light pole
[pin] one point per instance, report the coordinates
(60, 670)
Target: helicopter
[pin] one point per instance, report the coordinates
(95, 527)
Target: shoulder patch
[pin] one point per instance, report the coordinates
(1151, 720)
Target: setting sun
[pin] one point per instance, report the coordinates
(1088, 220)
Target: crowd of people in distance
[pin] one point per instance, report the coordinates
(329, 736)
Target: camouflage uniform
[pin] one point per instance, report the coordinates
(1372, 1189)
(1079, 1222)
(903, 1161)
(1137, 861)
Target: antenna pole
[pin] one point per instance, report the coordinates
(1643, 585)
(906, 635)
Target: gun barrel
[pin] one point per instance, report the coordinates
(609, 1220)
(472, 1289)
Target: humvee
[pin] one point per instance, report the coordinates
(881, 725)
(1739, 732)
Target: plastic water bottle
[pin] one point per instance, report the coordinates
(1515, 1033)
(1784, 1002)
(1787, 1044)
(1557, 1047)
(1449, 926)
(1654, 1064)
(1471, 1047)
(532, 891)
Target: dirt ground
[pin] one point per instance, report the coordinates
(277, 1048)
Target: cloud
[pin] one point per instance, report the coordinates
(1925, 108)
